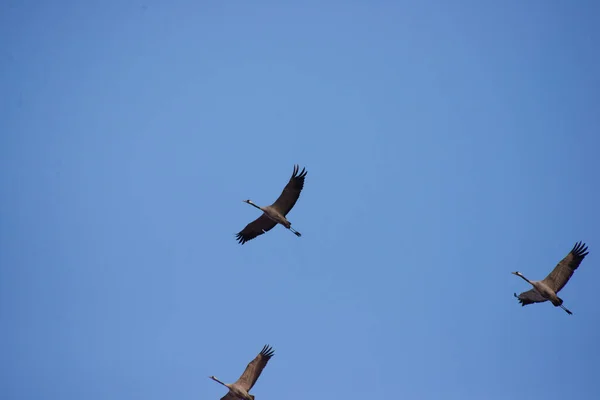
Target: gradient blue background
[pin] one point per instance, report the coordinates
(447, 144)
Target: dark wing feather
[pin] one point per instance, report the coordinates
(255, 228)
(530, 297)
(563, 271)
(291, 192)
(255, 367)
(229, 396)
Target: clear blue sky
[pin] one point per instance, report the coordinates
(447, 144)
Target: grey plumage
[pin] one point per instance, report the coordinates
(276, 212)
(241, 388)
(547, 289)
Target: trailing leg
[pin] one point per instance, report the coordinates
(565, 308)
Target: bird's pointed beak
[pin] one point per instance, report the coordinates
(515, 273)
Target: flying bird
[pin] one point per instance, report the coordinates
(276, 212)
(239, 389)
(548, 288)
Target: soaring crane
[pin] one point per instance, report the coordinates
(276, 212)
(239, 390)
(548, 288)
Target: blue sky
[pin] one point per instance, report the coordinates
(447, 144)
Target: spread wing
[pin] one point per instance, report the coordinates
(530, 297)
(291, 192)
(563, 271)
(255, 367)
(229, 396)
(255, 228)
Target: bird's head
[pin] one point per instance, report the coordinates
(516, 273)
(247, 201)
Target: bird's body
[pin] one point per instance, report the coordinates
(546, 292)
(276, 212)
(241, 388)
(275, 216)
(548, 288)
(237, 392)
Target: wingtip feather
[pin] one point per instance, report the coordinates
(297, 173)
(580, 250)
(267, 351)
(520, 300)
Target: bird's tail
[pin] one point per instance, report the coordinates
(558, 302)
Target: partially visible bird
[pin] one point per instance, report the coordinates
(276, 212)
(239, 389)
(548, 288)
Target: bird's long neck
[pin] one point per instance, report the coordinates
(526, 280)
(254, 205)
(216, 380)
